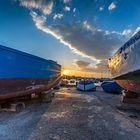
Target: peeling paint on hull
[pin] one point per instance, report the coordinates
(23, 88)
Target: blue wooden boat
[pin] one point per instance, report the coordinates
(111, 87)
(22, 74)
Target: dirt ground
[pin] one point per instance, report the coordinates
(72, 115)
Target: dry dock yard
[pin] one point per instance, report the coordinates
(72, 115)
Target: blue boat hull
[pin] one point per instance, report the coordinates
(111, 87)
(22, 74)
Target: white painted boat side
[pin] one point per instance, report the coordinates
(127, 58)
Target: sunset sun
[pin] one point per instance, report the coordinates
(65, 72)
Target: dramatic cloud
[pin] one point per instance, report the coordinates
(82, 38)
(112, 6)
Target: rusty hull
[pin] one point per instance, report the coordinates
(11, 88)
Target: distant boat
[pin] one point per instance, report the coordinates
(22, 74)
(86, 86)
(63, 82)
(72, 82)
(111, 87)
(125, 65)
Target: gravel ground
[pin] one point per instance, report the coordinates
(72, 115)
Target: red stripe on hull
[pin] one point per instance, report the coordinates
(11, 88)
(130, 85)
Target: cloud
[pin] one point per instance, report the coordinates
(67, 1)
(112, 6)
(58, 16)
(66, 8)
(89, 67)
(43, 6)
(137, 30)
(61, 32)
(87, 40)
(74, 10)
(82, 64)
(82, 38)
(127, 32)
(101, 8)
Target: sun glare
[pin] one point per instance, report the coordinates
(65, 72)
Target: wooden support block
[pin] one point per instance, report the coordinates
(129, 94)
(130, 98)
(12, 106)
(17, 107)
(46, 97)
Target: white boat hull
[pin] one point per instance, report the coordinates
(125, 65)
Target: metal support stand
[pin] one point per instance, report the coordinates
(130, 101)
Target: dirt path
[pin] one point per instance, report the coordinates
(72, 116)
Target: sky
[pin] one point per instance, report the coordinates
(81, 35)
